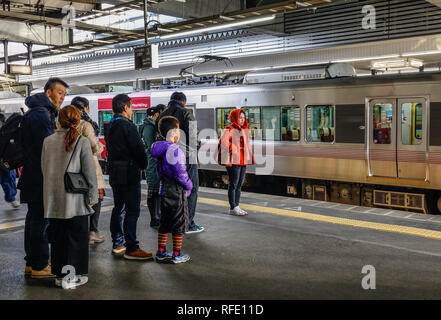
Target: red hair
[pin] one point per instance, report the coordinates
(69, 118)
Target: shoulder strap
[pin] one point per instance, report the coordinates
(73, 152)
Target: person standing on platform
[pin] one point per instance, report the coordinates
(38, 123)
(67, 151)
(8, 178)
(148, 134)
(127, 157)
(235, 154)
(175, 188)
(88, 128)
(187, 123)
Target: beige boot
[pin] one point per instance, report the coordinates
(95, 237)
(44, 273)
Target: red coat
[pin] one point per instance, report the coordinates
(234, 144)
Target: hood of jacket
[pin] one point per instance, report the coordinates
(175, 103)
(149, 120)
(234, 119)
(159, 148)
(41, 100)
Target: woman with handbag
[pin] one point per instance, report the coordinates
(70, 189)
(234, 152)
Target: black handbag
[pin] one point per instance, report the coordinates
(75, 182)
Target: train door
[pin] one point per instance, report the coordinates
(398, 138)
(412, 162)
(382, 144)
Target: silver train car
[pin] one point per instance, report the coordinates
(370, 141)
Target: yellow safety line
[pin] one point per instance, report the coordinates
(425, 233)
(432, 234)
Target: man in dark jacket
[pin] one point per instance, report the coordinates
(127, 157)
(38, 123)
(187, 122)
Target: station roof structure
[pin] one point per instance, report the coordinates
(52, 17)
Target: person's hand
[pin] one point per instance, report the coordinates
(187, 193)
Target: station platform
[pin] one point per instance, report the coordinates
(286, 248)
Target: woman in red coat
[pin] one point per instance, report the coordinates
(235, 154)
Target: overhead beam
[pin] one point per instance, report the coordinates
(29, 18)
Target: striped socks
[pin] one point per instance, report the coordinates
(162, 242)
(177, 244)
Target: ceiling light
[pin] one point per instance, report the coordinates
(397, 64)
(423, 53)
(218, 27)
(366, 58)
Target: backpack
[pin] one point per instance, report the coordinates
(12, 153)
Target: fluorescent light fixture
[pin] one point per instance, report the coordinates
(102, 41)
(218, 27)
(397, 64)
(423, 53)
(366, 58)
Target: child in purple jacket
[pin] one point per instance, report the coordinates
(175, 187)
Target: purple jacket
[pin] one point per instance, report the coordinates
(171, 164)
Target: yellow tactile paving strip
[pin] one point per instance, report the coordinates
(425, 233)
(432, 234)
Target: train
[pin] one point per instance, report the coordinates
(370, 141)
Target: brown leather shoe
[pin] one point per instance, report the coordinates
(119, 250)
(28, 270)
(139, 255)
(40, 274)
(94, 237)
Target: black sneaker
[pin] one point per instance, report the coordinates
(195, 229)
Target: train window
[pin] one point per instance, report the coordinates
(290, 126)
(320, 123)
(138, 118)
(103, 118)
(382, 123)
(285, 121)
(271, 121)
(253, 116)
(411, 123)
(222, 119)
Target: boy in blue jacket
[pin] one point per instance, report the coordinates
(175, 188)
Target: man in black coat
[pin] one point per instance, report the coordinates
(127, 157)
(187, 123)
(38, 123)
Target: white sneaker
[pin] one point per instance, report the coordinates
(236, 212)
(16, 204)
(243, 212)
(76, 282)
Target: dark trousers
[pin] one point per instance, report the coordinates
(69, 245)
(35, 236)
(192, 171)
(236, 176)
(7, 180)
(95, 217)
(154, 204)
(125, 214)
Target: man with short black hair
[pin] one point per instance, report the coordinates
(127, 157)
(176, 108)
(38, 123)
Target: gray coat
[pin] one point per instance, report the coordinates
(54, 159)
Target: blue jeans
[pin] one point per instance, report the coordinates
(36, 238)
(192, 171)
(125, 214)
(7, 180)
(236, 176)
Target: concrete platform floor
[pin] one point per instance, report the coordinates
(260, 256)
